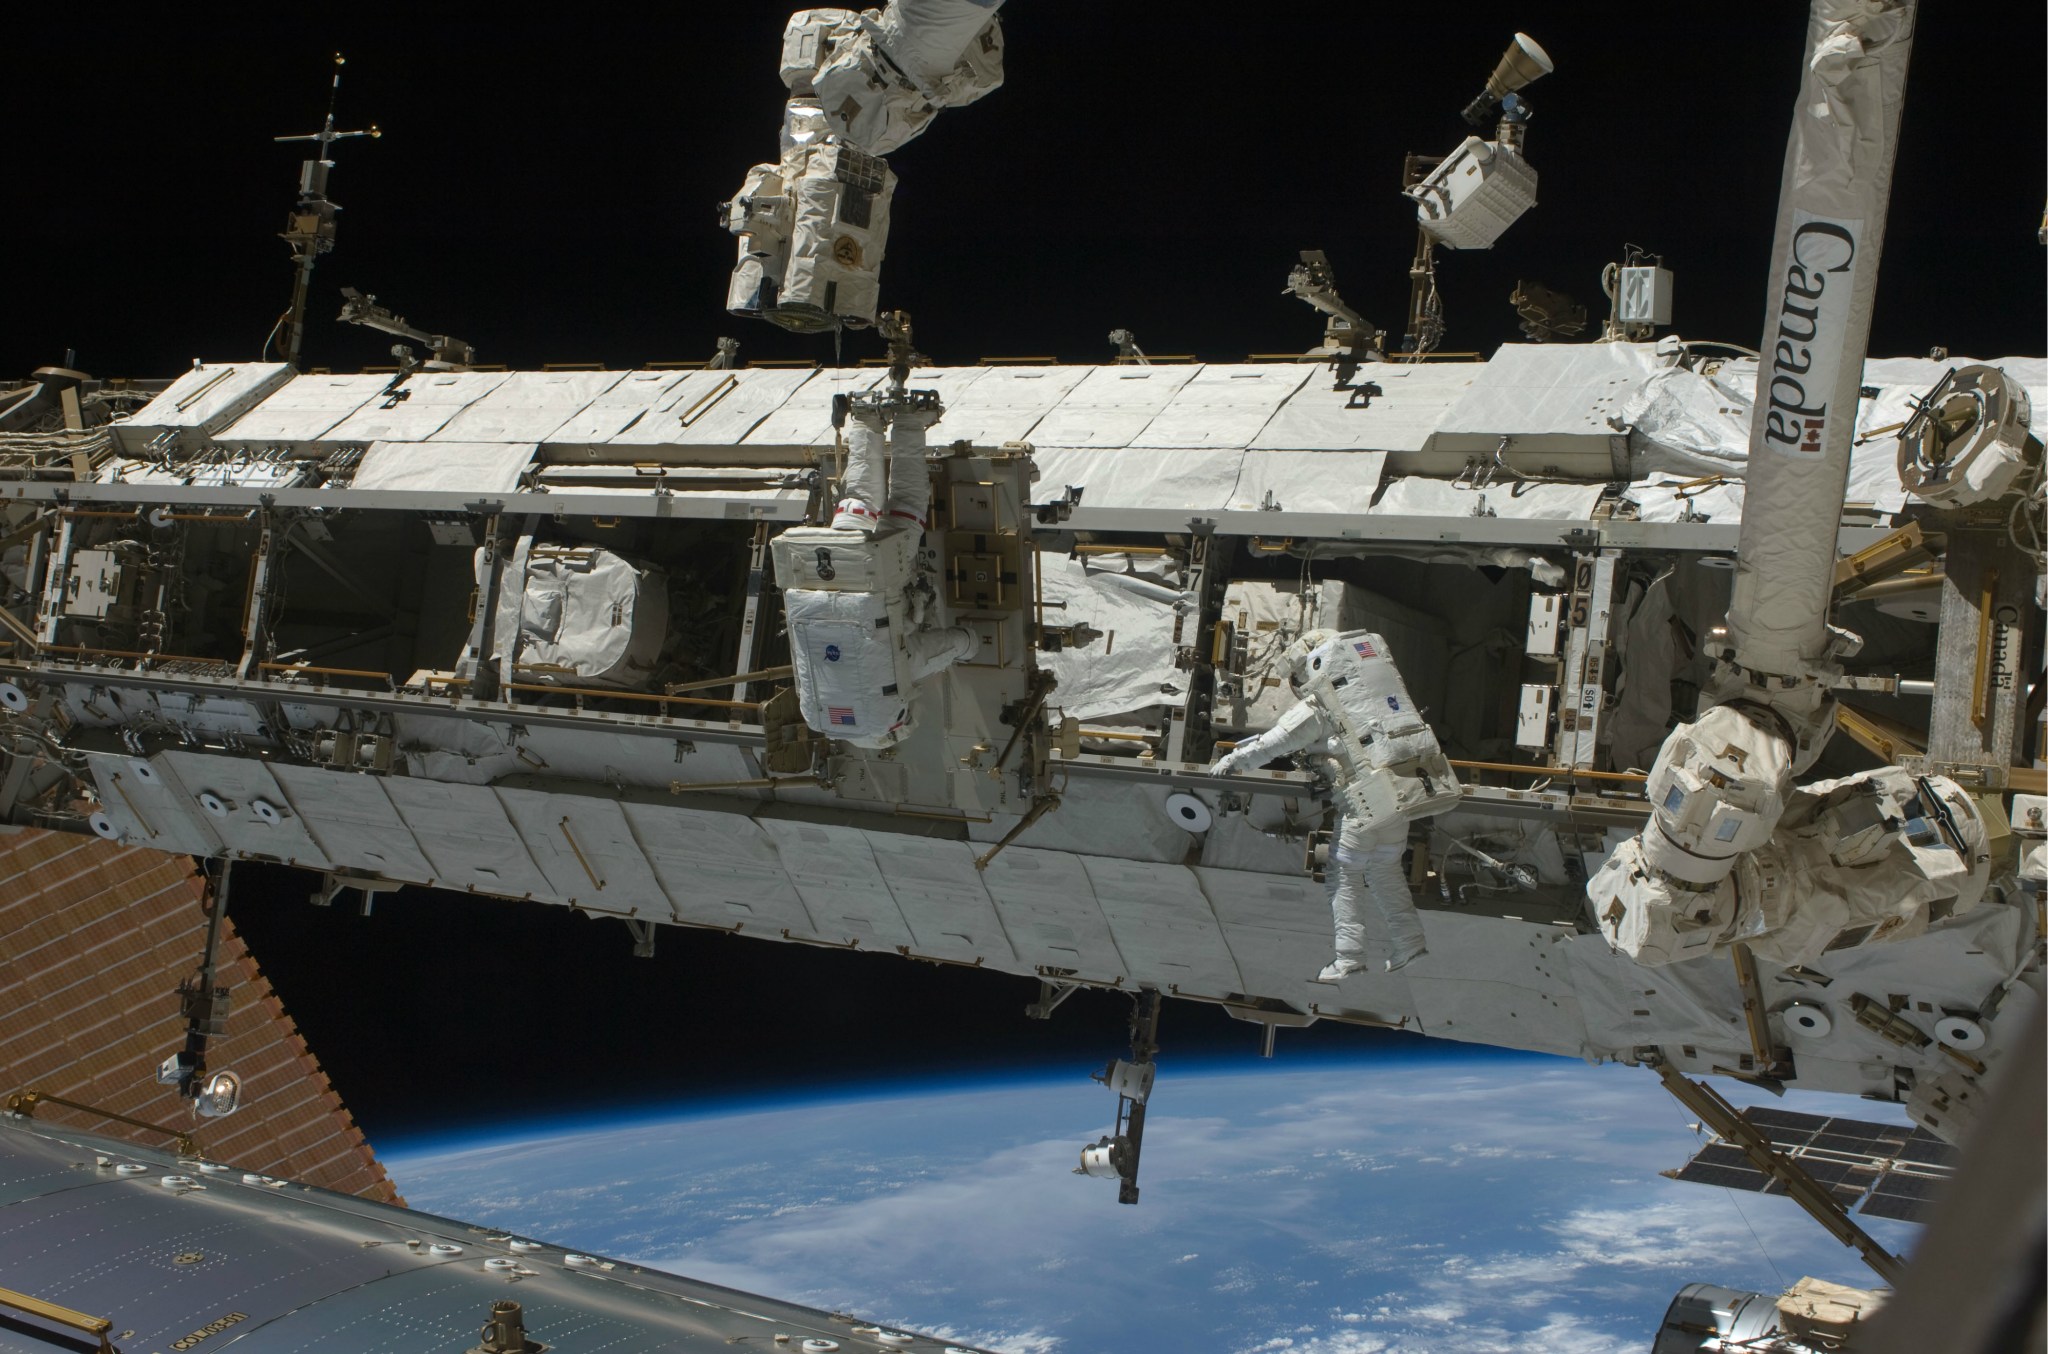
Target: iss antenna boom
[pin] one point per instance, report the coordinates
(1524, 63)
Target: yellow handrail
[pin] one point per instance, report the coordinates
(96, 1326)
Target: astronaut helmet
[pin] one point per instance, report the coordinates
(1300, 656)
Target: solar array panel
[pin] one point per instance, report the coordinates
(1894, 1171)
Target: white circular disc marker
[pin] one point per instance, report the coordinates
(1187, 812)
(1812, 1021)
(1959, 1032)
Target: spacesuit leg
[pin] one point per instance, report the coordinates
(1374, 854)
(864, 487)
(1348, 915)
(910, 479)
(935, 650)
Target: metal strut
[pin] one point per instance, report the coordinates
(310, 229)
(1144, 1048)
(202, 999)
(1115, 1155)
(1716, 1113)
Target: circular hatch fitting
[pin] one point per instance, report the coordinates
(1959, 1032)
(1187, 812)
(1812, 1021)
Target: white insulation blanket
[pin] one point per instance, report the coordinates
(592, 615)
(1131, 667)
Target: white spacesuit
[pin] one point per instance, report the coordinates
(861, 610)
(1388, 770)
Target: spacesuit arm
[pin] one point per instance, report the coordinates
(1302, 726)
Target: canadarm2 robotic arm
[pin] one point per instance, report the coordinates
(813, 226)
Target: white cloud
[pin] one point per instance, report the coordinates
(1560, 1333)
(1003, 1249)
(996, 1342)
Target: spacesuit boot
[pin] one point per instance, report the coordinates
(864, 488)
(1342, 967)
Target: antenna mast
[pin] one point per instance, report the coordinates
(310, 228)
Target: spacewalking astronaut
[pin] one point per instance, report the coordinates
(1354, 709)
(863, 631)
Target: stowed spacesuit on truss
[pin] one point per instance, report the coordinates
(1387, 768)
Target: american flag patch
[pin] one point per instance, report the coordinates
(1365, 650)
(839, 714)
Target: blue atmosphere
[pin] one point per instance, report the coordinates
(1325, 1205)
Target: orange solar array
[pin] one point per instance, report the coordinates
(94, 937)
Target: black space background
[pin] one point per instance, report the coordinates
(546, 190)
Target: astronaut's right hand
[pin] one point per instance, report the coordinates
(1230, 763)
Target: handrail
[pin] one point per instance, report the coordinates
(706, 401)
(763, 675)
(83, 649)
(24, 1103)
(96, 1326)
(294, 668)
(1118, 735)
(658, 698)
(1574, 772)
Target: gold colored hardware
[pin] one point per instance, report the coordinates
(764, 675)
(1040, 807)
(1753, 1007)
(26, 635)
(1894, 554)
(707, 400)
(25, 1104)
(95, 1326)
(296, 668)
(1121, 736)
(1575, 772)
(1987, 592)
(133, 807)
(581, 859)
(680, 787)
(1886, 739)
(902, 812)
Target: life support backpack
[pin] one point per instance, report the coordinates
(1392, 764)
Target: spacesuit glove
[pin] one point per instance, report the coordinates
(1237, 761)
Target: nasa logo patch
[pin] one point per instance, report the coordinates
(831, 653)
(1393, 703)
